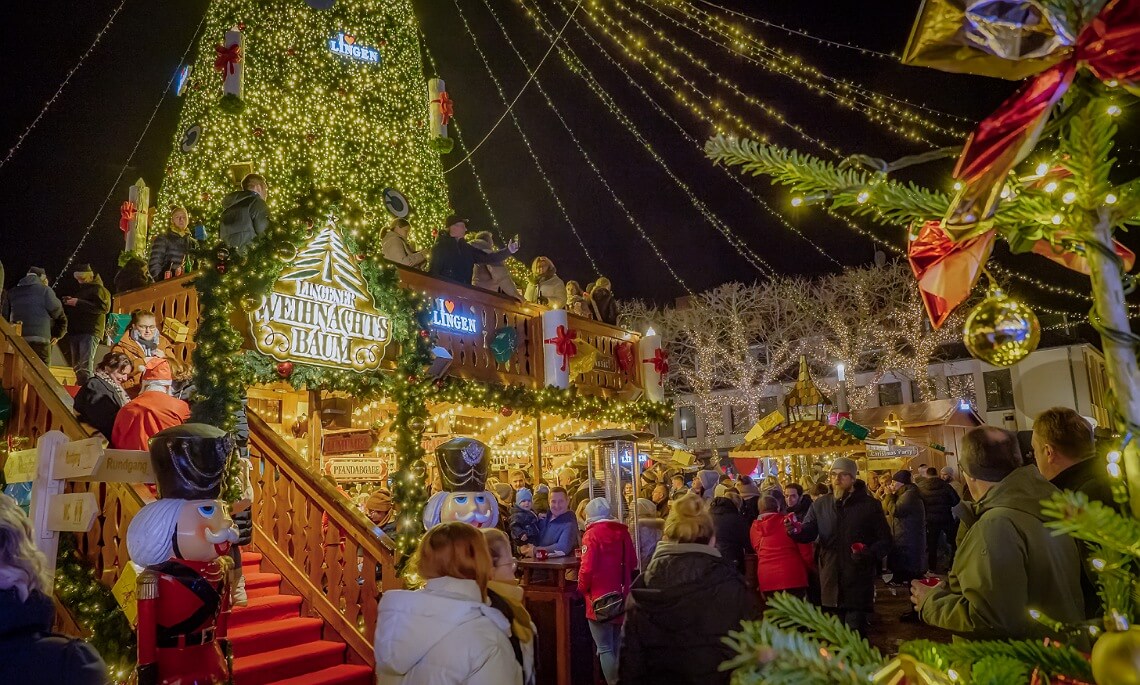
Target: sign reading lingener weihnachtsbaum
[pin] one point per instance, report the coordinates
(319, 311)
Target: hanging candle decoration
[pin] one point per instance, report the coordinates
(229, 63)
(1001, 331)
(441, 109)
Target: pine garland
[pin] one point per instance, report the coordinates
(789, 613)
(1051, 659)
(1073, 514)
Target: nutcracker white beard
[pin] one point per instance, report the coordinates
(478, 509)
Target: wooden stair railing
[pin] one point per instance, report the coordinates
(40, 404)
(334, 572)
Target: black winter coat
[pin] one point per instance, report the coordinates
(131, 276)
(35, 306)
(97, 403)
(688, 599)
(605, 305)
(454, 258)
(907, 515)
(846, 577)
(731, 532)
(33, 655)
(88, 316)
(750, 510)
(244, 217)
(1091, 478)
(168, 252)
(939, 498)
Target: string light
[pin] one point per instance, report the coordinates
(530, 149)
(578, 67)
(66, 80)
(130, 157)
(876, 107)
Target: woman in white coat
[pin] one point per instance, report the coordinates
(446, 633)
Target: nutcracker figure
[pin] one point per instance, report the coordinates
(463, 465)
(182, 540)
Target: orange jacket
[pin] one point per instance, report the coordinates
(144, 416)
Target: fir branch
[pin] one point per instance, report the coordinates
(860, 192)
(1115, 576)
(999, 670)
(1052, 659)
(771, 656)
(790, 613)
(1085, 149)
(1073, 514)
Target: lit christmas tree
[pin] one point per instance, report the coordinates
(313, 98)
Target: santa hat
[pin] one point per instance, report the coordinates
(157, 372)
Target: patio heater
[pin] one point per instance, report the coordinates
(612, 450)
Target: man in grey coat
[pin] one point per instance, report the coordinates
(33, 304)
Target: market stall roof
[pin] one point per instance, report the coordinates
(801, 437)
(920, 414)
(608, 434)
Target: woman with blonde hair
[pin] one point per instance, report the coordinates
(689, 596)
(547, 289)
(505, 595)
(445, 634)
(31, 652)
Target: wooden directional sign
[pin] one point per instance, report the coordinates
(21, 466)
(122, 466)
(77, 459)
(73, 512)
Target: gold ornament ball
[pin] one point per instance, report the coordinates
(251, 303)
(287, 252)
(1001, 331)
(1116, 658)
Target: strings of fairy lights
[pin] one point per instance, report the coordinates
(579, 68)
(754, 260)
(893, 105)
(877, 108)
(66, 80)
(530, 149)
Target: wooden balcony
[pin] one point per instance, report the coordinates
(471, 353)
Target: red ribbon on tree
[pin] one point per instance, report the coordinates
(127, 213)
(563, 342)
(947, 270)
(1109, 47)
(228, 58)
(446, 107)
(660, 361)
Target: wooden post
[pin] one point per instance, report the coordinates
(538, 448)
(1119, 356)
(314, 432)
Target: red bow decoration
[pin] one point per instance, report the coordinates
(127, 213)
(660, 361)
(563, 342)
(1109, 47)
(228, 58)
(625, 357)
(446, 107)
(946, 270)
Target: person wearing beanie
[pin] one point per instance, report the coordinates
(705, 484)
(504, 493)
(650, 529)
(86, 318)
(1009, 559)
(608, 562)
(33, 304)
(730, 526)
(381, 511)
(152, 411)
(907, 516)
(525, 526)
(853, 537)
(750, 494)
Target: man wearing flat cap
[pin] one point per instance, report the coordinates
(853, 538)
(1009, 563)
(454, 259)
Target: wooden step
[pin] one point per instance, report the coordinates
(344, 674)
(262, 584)
(266, 636)
(290, 662)
(250, 562)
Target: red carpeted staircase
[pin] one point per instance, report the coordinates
(273, 643)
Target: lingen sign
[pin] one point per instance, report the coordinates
(449, 315)
(319, 311)
(345, 44)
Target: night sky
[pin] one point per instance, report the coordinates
(54, 184)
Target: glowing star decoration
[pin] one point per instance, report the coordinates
(448, 315)
(319, 311)
(345, 44)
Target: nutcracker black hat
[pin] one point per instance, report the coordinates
(463, 463)
(189, 460)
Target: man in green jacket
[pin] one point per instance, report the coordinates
(1009, 562)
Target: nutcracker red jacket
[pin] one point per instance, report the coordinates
(144, 416)
(608, 561)
(781, 562)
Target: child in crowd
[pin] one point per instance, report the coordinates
(524, 522)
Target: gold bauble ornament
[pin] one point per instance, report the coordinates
(1001, 331)
(1116, 655)
(251, 303)
(286, 252)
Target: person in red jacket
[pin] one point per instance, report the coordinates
(152, 411)
(608, 560)
(781, 563)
